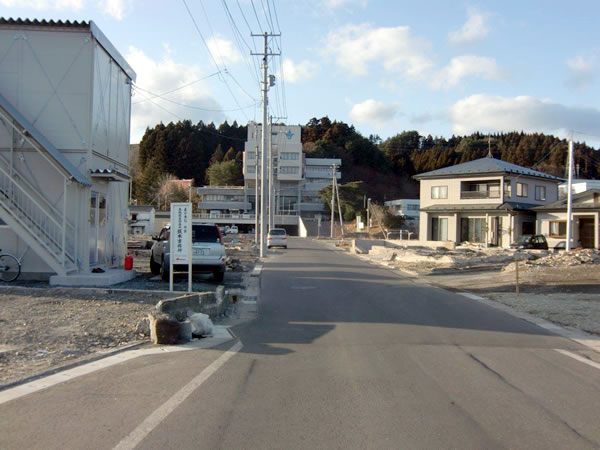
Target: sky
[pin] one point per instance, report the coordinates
(434, 66)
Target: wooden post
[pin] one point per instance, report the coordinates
(517, 275)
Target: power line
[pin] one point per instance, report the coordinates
(240, 39)
(176, 89)
(276, 18)
(212, 57)
(260, 27)
(268, 17)
(161, 96)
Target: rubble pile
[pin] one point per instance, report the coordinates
(572, 258)
(441, 256)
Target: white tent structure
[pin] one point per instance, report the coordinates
(65, 104)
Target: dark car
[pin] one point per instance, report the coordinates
(531, 241)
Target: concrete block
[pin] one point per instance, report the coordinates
(108, 278)
(163, 329)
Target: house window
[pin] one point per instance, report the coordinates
(558, 228)
(133, 216)
(251, 169)
(289, 156)
(439, 192)
(540, 192)
(507, 189)
(522, 190)
(439, 229)
(472, 229)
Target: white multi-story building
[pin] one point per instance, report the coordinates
(297, 181)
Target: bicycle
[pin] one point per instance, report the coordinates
(10, 267)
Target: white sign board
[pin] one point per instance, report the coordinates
(181, 239)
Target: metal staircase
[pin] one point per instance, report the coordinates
(43, 226)
(39, 223)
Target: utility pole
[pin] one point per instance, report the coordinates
(569, 197)
(271, 177)
(337, 193)
(256, 195)
(263, 168)
(332, 202)
(369, 216)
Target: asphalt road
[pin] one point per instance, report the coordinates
(343, 354)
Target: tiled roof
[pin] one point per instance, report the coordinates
(45, 23)
(485, 165)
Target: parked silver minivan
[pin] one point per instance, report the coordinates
(208, 252)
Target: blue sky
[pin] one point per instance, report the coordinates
(438, 67)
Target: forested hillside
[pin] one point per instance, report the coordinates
(187, 150)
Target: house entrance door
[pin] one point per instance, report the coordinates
(495, 235)
(586, 233)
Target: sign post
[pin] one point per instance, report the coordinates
(181, 240)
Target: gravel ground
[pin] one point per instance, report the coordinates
(43, 328)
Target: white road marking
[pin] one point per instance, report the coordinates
(220, 336)
(160, 414)
(471, 296)
(578, 358)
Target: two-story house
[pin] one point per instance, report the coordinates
(487, 201)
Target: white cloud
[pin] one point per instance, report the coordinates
(43, 4)
(223, 50)
(466, 65)
(488, 113)
(333, 4)
(159, 76)
(474, 28)
(116, 8)
(354, 46)
(373, 112)
(583, 72)
(302, 71)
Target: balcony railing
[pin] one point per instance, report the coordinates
(468, 195)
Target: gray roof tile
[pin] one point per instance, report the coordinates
(485, 165)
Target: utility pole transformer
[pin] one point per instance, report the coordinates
(265, 83)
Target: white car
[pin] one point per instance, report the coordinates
(233, 229)
(277, 237)
(208, 252)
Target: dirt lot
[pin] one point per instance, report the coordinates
(43, 328)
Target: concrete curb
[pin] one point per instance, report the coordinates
(31, 385)
(93, 358)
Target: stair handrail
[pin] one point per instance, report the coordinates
(40, 209)
(54, 208)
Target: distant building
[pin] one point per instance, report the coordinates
(577, 186)
(297, 181)
(406, 208)
(141, 219)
